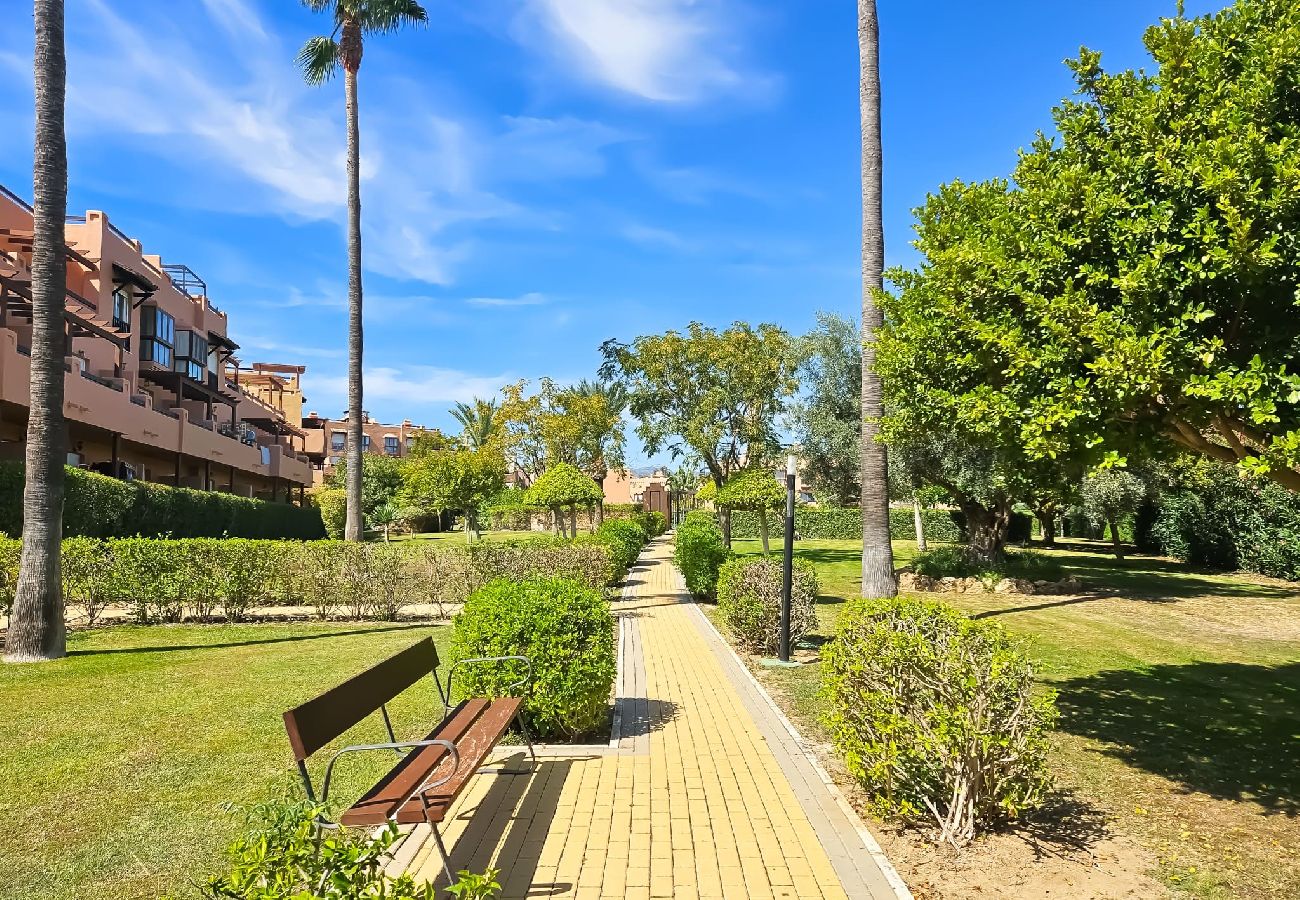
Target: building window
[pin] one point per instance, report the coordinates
(122, 307)
(338, 441)
(365, 443)
(191, 354)
(391, 445)
(159, 330)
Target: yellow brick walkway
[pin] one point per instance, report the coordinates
(691, 802)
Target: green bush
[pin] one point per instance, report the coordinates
(10, 551)
(95, 505)
(653, 523)
(625, 540)
(955, 562)
(333, 506)
(823, 523)
(699, 552)
(945, 562)
(564, 627)
(937, 715)
(749, 601)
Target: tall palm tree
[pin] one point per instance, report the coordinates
(478, 422)
(320, 59)
(877, 553)
(36, 630)
(609, 443)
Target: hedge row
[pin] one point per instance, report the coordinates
(96, 505)
(845, 524)
(203, 578)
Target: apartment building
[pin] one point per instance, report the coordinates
(153, 388)
(327, 439)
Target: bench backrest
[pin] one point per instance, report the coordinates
(320, 720)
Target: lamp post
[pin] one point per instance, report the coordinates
(787, 574)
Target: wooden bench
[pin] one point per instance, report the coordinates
(431, 771)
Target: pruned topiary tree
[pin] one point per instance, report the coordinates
(563, 487)
(754, 489)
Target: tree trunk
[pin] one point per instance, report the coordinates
(573, 521)
(762, 529)
(918, 523)
(987, 530)
(558, 514)
(469, 527)
(1115, 543)
(600, 512)
(726, 527)
(1047, 523)
(354, 530)
(36, 629)
(877, 551)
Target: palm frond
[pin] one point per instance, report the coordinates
(318, 58)
(318, 5)
(383, 16)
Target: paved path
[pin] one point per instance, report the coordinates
(702, 790)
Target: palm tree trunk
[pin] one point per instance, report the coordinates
(918, 522)
(354, 527)
(36, 630)
(877, 552)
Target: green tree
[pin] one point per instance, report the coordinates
(877, 550)
(479, 424)
(562, 487)
(587, 426)
(320, 59)
(755, 489)
(454, 480)
(36, 630)
(828, 418)
(381, 479)
(714, 395)
(1109, 496)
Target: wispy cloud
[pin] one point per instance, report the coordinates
(671, 51)
(410, 387)
(530, 299)
(650, 236)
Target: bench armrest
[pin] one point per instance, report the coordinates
(395, 745)
(513, 688)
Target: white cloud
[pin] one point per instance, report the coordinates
(409, 387)
(530, 299)
(650, 236)
(662, 50)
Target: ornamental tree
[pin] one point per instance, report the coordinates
(454, 480)
(754, 489)
(563, 486)
(1108, 496)
(827, 418)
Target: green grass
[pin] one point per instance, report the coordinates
(118, 761)
(458, 537)
(1179, 697)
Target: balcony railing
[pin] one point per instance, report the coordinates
(137, 400)
(119, 232)
(24, 350)
(167, 412)
(4, 191)
(74, 220)
(106, 382)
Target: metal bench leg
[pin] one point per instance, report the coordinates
(442, 851)
(528, 738)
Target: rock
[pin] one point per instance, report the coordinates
(1024, 586)
(907, 582)
(949, 584)
(971, 586)
(1006, 586)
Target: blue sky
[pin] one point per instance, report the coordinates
(539, 175)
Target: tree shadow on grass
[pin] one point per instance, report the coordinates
(1224, 729)
(251, 643)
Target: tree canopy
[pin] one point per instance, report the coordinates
(707, 393)
(1134, 288)
(454, 480)
(827, 419)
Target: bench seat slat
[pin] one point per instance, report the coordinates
(474, 727)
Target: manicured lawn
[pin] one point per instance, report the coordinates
(118, 761)
(1179, 698)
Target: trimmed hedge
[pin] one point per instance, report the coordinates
(96, 505)
(699, 552)
(205, 578)
(749, 601)
(1231, 523)
(565, 628)
(826, 523)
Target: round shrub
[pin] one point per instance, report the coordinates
(944, 562)
(699, 553)
(625, 540)
(749, 601)
(564, 627)
(937, 715)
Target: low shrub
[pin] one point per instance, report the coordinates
(1031, 566)
(10, 551)
(625, 539)
(653, 523)
(699, 552)
(285, 856)
(749, 601)
(936, 715)
(956, 562)
(95, 505)
(333, 506)
(565, 628)
(829, 523)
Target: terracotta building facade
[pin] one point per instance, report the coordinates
(153, 389)
(326, 440)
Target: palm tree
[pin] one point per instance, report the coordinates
(36, 630)
(614, 396)
(320, 58)
(478, 422)
(877, 553)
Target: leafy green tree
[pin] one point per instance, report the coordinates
(320, 59)
(1110, 495)
(454, 480)
(381, 479)
(563, 487)
(756, 489)
(877, 550)
(36, 630)
(828, 418)
(591, 413)
(711, 394)
(1134, 286)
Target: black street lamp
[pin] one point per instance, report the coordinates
(787, 574)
